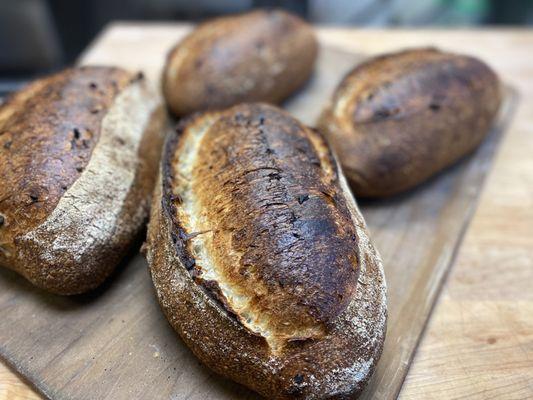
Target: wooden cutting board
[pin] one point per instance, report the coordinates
(116, 344)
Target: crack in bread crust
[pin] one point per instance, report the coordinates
(260, 212)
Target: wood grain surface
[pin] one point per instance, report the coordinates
(479, 341)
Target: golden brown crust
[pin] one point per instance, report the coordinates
(398, 119)
(279, 229)
(269, 225)
(257, 56)
(51, 131)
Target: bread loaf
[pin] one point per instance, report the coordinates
(260, 257)
(257, 56)
(78, 151)
(398, 119)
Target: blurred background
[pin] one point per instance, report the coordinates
(38, 36)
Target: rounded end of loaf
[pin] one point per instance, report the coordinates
(397, 120)
(264, 55)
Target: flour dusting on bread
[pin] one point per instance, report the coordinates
(228, 185)
(90, 216)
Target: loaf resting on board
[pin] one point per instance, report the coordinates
(78, 151)
(261, 259)
(256, 56)
(400, 118)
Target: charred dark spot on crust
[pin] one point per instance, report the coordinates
(297, 385)
(434, 107)
(298, 379)
(384, 113)
(79, 169)
(329, 197)
(2, 220)
(210, 89)
(293, 217)
(213, 287)
(7, 145)
(76, 136)
(239, 118)
(198, 63)
(64, 187)
(303, 198)
(192, 235)
(274, 176)
(176, 198)
(138, 77)
(190, 263)
(175, 238)
(34, 196)
(93, 86)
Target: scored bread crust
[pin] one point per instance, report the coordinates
(397, 119)
(335, 364)
(263, 55)
(78, 150)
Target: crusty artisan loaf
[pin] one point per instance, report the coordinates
(257, 56)
(398, 119)
(260, 257)
(78, 154)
